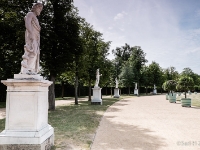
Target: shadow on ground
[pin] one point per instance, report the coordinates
(131, 137)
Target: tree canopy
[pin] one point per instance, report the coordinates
(72, 50)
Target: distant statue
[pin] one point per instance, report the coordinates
(97, 78)
(31, 57)
(154, 86)
(135, 85)
(116, 81)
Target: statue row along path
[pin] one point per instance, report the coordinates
(148, 123)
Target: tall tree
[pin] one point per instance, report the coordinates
(137, 61)
(96, 50)
(127, 76)
(171, 74)
(59, 36)
(155, 74)
(122, 55)
(189, 73)
(145, 77)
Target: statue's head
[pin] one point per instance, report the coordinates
(37, 8)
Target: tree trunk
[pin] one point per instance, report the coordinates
(146, 91)
(76, 90)
(129, 90)
(138, 88)
(111, 91)
(106, 90)
(63, 89)
(79, 91)
(89, 94)
(52, 93)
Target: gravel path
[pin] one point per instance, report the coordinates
(148, 123)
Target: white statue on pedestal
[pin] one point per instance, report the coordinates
(97, 78)
(116, 81)
(31, 57)
(154, 86)
(135, 85)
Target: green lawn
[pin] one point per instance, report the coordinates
(195, 98)
(2, 104)
(75, 125)
(2, 124)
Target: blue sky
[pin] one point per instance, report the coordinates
(168, 31)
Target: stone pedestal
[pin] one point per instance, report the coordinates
(96, 99)
(116, 93)
(154, 91)
(135, 91)
(27, 114)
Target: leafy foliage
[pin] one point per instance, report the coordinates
(164, 86)
(171, 85)
(155, 74)
(185, 83)
(59, 36)
(126, 76)
(122, 54)
(12, 35)
(171, 74)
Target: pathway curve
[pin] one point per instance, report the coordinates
(148, 123)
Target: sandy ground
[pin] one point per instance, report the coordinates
(57, 103)
(148, 123)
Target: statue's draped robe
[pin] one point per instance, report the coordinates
(34, 45)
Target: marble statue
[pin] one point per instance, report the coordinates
(116, 81)
(31, 57)
(154, 86)
(97, 78)
(135, 85)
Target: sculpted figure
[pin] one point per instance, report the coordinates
(154, 86)
(135, 85)
(31, 57)
(97, 78)
(116, 81)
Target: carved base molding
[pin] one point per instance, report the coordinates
(46, 145)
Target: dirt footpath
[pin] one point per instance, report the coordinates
(57, 103)
(148, 123)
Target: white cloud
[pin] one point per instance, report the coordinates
(122, 29)
(120, 15)
(165, 33)
(91, 11)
